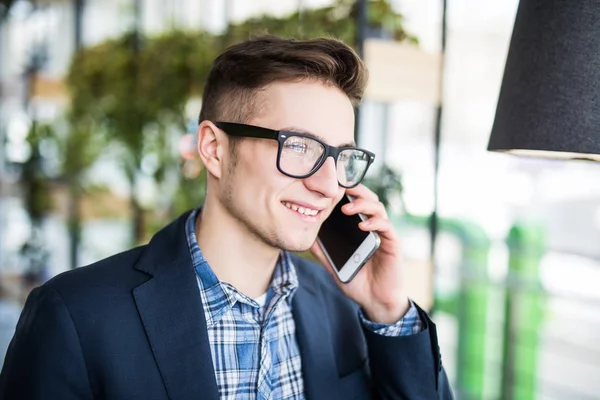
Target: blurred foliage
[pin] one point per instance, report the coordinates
(79, 150)
(137, 99)
(34, 183)
(130, 95)
(190, 193)
(5, 6)
(336, 20)
(386, 183)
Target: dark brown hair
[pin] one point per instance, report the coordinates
(232, 91)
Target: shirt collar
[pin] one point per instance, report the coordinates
(220, 296)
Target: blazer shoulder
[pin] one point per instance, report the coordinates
(108, 274)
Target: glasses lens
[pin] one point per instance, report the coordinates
(299, 155)
(351, 166)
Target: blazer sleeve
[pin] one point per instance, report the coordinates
(408, 367)
(45, 359)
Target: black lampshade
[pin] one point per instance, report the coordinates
(549, 103)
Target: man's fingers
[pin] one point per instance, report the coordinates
(361, 191)
(369, 208)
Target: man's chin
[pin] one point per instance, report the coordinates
(299, 246)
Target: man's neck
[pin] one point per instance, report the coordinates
(235, 255)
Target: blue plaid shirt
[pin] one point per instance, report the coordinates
(254, 349)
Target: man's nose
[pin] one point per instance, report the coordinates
(325, 180)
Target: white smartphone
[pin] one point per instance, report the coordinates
(345, 245)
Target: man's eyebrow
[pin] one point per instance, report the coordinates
(305, 132)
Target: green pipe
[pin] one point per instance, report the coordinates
(524, 312)
(470, 305)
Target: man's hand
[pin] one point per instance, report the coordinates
(379, 286)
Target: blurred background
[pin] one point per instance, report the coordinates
(98, 108)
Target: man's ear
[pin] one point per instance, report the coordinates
(212, 146)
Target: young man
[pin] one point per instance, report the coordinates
(217, 305)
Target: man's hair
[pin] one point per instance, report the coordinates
(233, 88)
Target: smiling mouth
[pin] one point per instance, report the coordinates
(301, 210)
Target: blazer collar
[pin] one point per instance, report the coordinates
(314, 337)
(171, 310)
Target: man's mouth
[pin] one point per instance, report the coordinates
(303, 210)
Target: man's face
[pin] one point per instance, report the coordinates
(269, 204)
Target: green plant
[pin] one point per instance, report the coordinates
(34, 181)
(336, 20)
(137, 100)
(5, 6)
(387, 184)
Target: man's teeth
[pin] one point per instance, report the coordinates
(301, 210)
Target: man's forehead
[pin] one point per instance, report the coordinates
(311, 108)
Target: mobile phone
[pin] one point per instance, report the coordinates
(345, 245)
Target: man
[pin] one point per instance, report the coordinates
(217, 305)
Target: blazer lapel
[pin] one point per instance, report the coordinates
(314, 339)
(171, 310)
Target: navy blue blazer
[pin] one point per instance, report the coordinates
(132, 327)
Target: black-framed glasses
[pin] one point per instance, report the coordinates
(300, 155)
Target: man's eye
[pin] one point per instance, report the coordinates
(298, 147)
